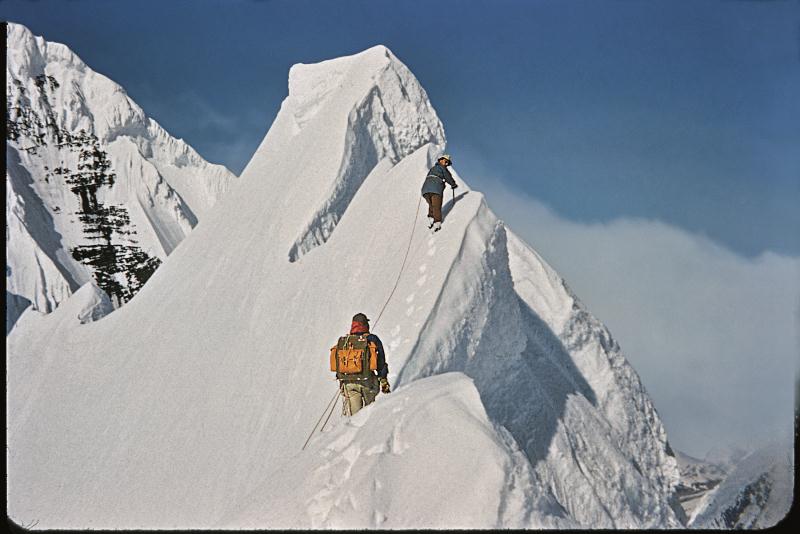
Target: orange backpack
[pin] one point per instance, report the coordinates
(354, 357)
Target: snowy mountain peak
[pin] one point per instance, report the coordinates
(30, 53)
(351, 78)
(371, 108)
(95, 188)
(110, 111)
(314, 80)
(377, 93)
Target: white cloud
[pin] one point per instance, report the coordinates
(714, 336)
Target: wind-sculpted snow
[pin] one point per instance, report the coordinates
(371, 472)
(634, 427)
(102, 190)
(512, 406)
(530, 384)
(381, 109)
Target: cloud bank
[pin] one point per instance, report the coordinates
(714, 336)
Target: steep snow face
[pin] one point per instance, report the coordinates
(757, 493)
(341, 118)
(504, 383)
(584, 420)
(95, 188)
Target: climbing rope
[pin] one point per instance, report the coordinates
(329, 408)
(345, 402)
(403, 265)
(320, 418)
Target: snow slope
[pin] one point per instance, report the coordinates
(95, 189)
(369, 473)
(512, 405)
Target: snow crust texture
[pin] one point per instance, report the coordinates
(95, 189)
(513, 407)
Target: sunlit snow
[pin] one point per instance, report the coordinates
(513, 407)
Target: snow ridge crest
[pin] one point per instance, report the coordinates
(385, 113)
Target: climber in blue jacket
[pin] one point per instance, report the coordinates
(433, 190)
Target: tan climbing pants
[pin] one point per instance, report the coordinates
(357, 394)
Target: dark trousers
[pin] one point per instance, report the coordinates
(434, 206)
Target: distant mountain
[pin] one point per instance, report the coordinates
(756, 494)
(95, 189)
(698, 477)
(512, 407)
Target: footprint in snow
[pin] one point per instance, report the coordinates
(423, 268)
(378, 518)
(431, 251)
(377, 449)
(409, 299)
(422, 279)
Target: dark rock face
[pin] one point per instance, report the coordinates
(745, 511)
(118, 265)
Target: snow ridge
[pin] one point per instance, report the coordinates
(504, 345)
(388, 116)
(374, 454)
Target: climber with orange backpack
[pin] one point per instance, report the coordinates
(360, 365)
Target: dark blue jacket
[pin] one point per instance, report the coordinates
(434, 182)
(383, 368)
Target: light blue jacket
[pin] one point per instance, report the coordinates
(434, 182)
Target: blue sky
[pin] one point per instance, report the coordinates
(648, 149)
(685, 112)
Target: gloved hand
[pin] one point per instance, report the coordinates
(454, 186)
(385, 386)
